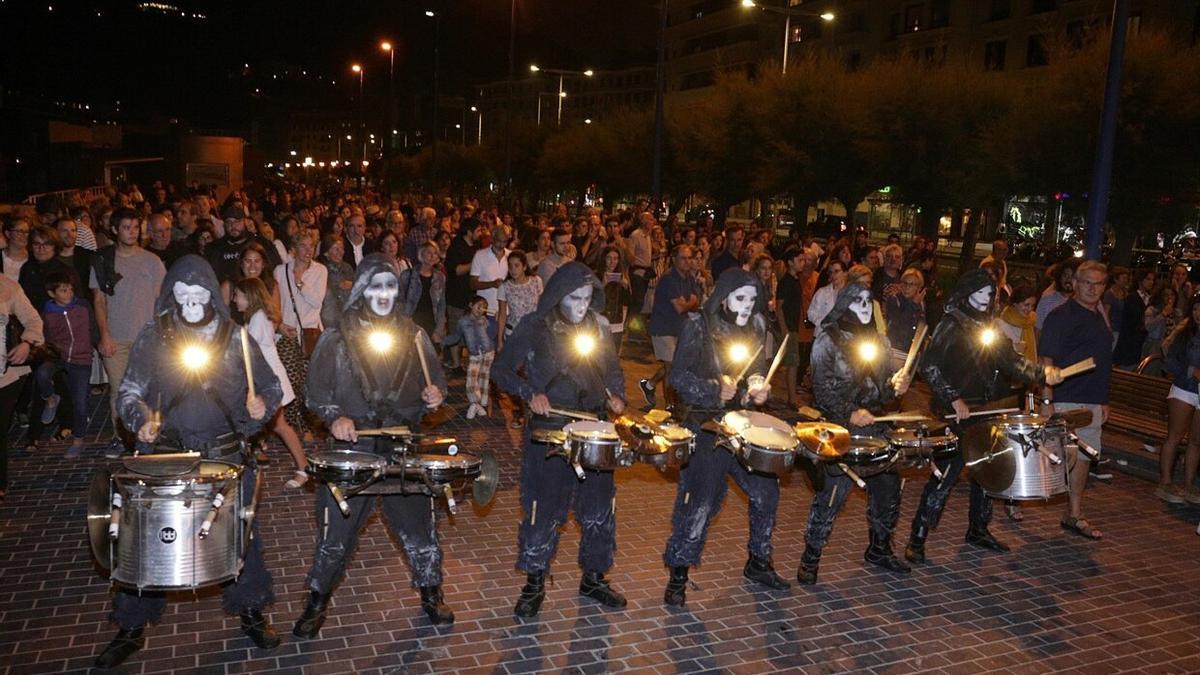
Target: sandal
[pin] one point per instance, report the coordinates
(64, 434)
(1081, 527)
(518, 422)
(1014, 512)
(298, 479)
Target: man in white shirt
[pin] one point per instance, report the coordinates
(357, 244)
(489, 267)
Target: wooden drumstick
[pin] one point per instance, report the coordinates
(778, 359)
(1076, 368)
(385, 431)
(913, 350)
(424, 365)
(249, 364)
(573, 414)
(902, 417)
(976, 413)
(749, 363)
(852, 476)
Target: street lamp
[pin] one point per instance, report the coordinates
(788, 13)
(479, 132)
(437, 40)
(533, 68)
(357, 69)
(391, 51)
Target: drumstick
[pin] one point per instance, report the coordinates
(573, 414)
(988, 457)
(852, 476)
(778, 359)
(902, 417)
(385, 431)
(913, 349)
(1076, 368)
(974, 413)
(749, 363)
(424, 365)
(249, 365)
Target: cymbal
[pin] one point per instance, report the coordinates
(99, 510)
(484, 487)
(823, 439)
(986, 445)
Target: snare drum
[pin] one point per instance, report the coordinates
(345, 467)
(1035, 443)
(160, 507)
(869, 456)
(761, 442)
(595, 445)
(920, 447)
(670, 445)
(441, 469)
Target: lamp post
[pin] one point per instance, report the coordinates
(788, 13)
(1102, 170)
(358, 70)
(389, 139)
(479, 131)
(539, 103)
(561, 92)
(437, 45)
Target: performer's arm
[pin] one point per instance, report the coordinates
(321, 385)
(687, 375)
(831, 389)
(510, 359)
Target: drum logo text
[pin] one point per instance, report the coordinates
(167, 535)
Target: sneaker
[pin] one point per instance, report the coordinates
(471, 411)
(647, 388)
(50, 408)
(1169, 494)
(115, 449)
(75, 449)
(1192, 495)
(1152, 449)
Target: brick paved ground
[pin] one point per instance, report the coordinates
(1056, 603)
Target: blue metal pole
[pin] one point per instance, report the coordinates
(1102, 171)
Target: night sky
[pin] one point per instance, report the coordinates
(102, 51)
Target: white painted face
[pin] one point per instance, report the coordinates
(381, 293)
(862, 307)
(574, 307)
(740, 303)
(981, 299)
(192, 301)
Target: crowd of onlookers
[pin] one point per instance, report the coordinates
(286, 259)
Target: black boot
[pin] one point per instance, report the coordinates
(915, 551)
(676, 591)
(806, 575)
(258, 629)
(761, 571)
(309, 623)
(879, 553)
(431, 602)
(593, 585)
(978, 535)
(122, 647)
(532, 595)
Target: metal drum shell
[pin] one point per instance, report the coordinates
(762, 443)
(158, 546)
(919, 450)
(1038, 478)
(870, 456)
(675, 449)
(344, 467)
(595, 445)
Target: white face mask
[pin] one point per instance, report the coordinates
(981, 299)
(192, 301)
(862, 307)
(574, 307)
(740, 303)
(381, 293)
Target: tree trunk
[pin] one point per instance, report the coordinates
(970, 232)
(927, 222)
(721, 211)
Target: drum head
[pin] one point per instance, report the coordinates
(1021, 421)
(99, 510)
(675, 433)
(346, 459)
(984, 444)
(162, 466)
(598, 430)
(740, 419)
(462, 460)
(866, 447)
(769, 438)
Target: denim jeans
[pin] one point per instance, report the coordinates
(78, 388)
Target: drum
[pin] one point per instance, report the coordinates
(594, 445)
(761, 442)
(345, 468)
(670, 445)
(869, 456)
(176, 523)
(920, 447)
(440, 469)
(1019, 457)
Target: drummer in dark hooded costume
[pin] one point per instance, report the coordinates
(366, 373)
(968, 364)
(560, 356)
(185, 390)
(852, 377)
(713, 349)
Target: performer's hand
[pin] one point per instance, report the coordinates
(149, 431)
(106, 347)
(728, 388)
(616, 405)
(1053, 375)
(343, 430)
(861, 418)
(256, 407)
(902, 384)
(432, 396)
(18, 354)
(961, 410)
(757, 389)
(539, 404)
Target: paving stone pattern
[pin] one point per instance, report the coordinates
(1056, 603)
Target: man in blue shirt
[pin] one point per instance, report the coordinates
(1076, 330)
(677, 293)
(735, 236)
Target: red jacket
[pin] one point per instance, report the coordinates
(70, 330)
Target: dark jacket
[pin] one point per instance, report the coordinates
(197, 409)
(71, 330)
(842, 380)
(540, 356)
(1132, 328)
(702, 355)
(224, 253)
(346, 378)
(959, 364)
(104, 264)
(368, 248)
(35, 272)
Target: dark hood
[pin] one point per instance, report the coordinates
(729, 281)
(194, 271)
(968, 284)
(566, 280)
(842, 304)
(370, 266)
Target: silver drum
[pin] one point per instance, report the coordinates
(1034, 442)
(594, 445)
(159, 544)
(761, 442)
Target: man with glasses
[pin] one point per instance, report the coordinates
(904, 312)
(16, 253)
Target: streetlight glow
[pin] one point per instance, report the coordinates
(385, 46)
(356, 68)
(829, 16)
(533, 68)
(430, 13)
(749, 4)
(589, 72)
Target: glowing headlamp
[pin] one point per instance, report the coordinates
(739, 352)
(194, 357)
(987, 336)
(381, 341)
(585, 344)
(868, 350)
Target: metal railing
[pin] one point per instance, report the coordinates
(87, 193)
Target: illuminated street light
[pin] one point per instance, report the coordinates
(534, 68)
(788, 13)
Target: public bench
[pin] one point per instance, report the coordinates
(1137, 403)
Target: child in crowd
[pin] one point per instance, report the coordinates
(472, 329)
(71, 332)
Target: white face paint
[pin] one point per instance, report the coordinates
(381, 293)
(981, 299)
(192, 301)
(862, 307)
(574, 307)
(740, 303)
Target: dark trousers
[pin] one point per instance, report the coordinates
(8, 405)
(410, 517)
(251, 590)
(933, 499)
(78, 388)
(701, 492)
(639, 286)
(883, 507)
(549, 490)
